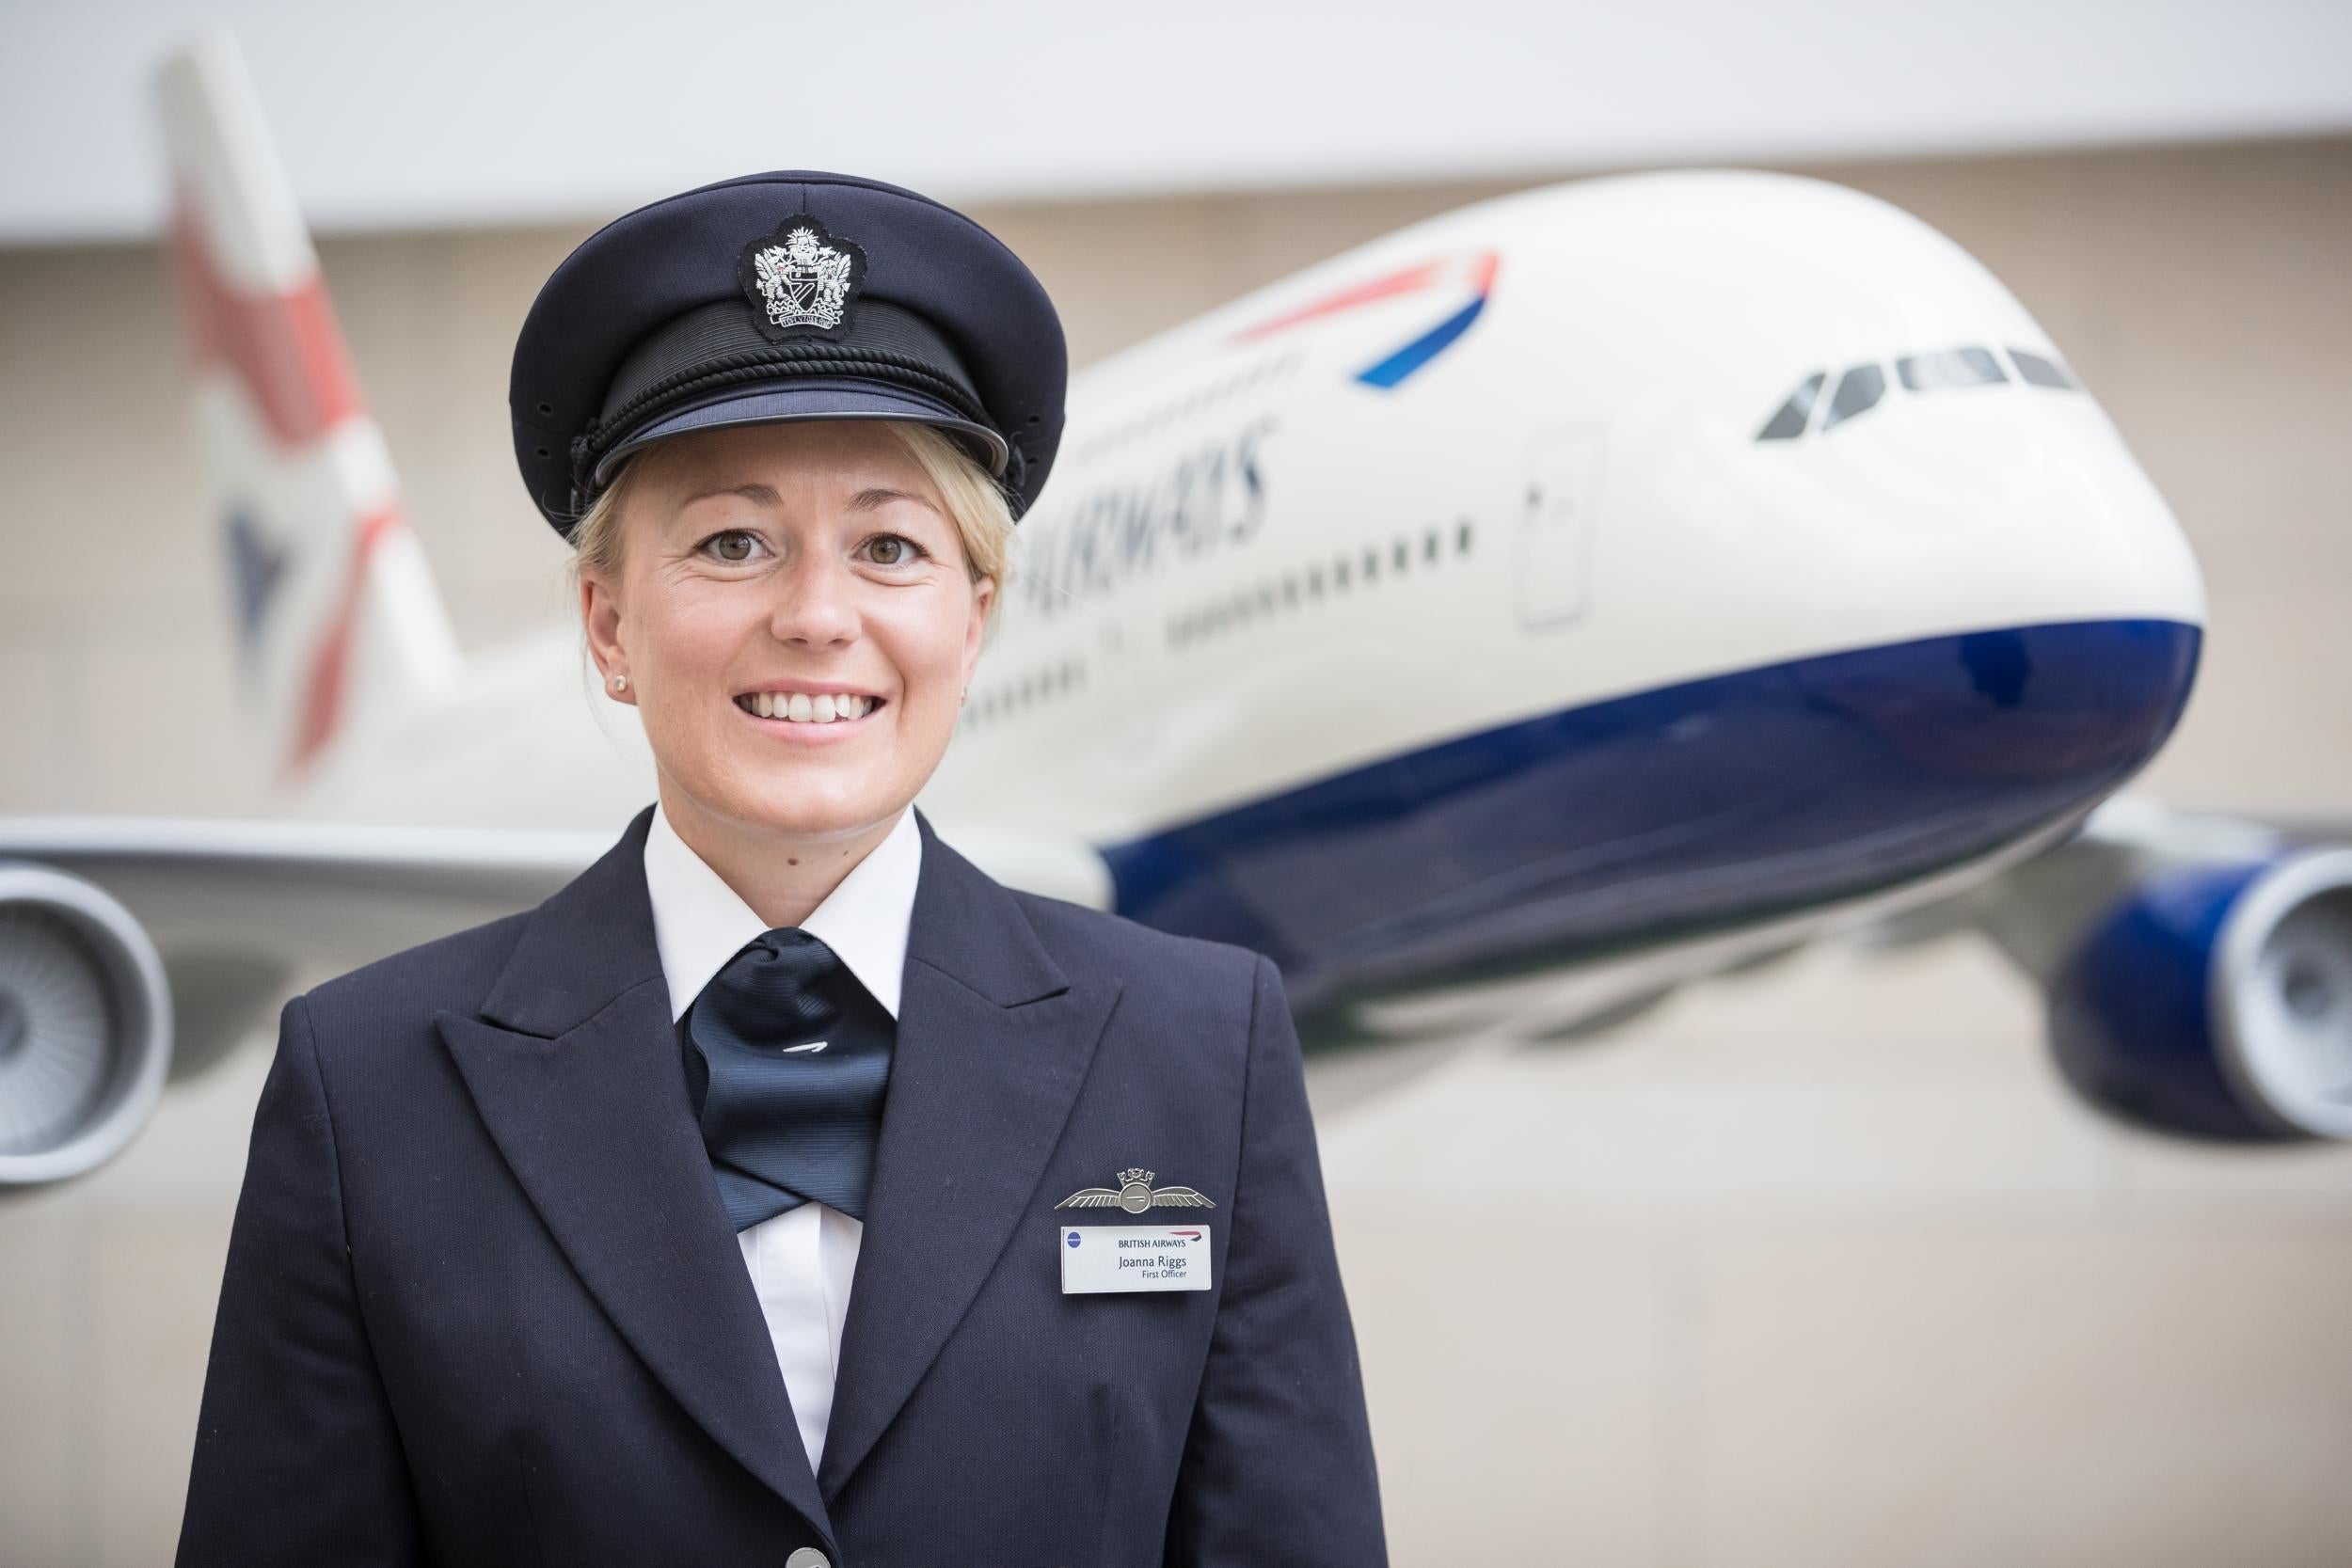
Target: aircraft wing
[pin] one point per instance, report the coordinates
(2037, 908)
(241, 911)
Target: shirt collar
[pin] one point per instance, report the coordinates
(700, 922)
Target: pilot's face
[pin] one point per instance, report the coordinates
(815, 556)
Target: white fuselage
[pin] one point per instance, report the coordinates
(1592, 434)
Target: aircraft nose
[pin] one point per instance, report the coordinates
(1984, 735)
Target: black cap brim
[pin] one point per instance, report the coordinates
(806, 399)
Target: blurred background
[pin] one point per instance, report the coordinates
(1817, 1265)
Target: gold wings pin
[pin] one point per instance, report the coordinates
(1135, 1194)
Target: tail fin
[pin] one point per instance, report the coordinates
(338, 620)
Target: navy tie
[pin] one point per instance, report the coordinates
(787, 1061)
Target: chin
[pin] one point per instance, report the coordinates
(799, 804)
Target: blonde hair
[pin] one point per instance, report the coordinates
(975, 503)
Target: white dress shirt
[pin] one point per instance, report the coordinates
(801, 1261)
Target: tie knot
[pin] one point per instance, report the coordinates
(780, 981)
(789, 951)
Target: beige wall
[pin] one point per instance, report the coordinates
(1815, 1267)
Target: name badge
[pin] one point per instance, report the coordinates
(1098, 1257)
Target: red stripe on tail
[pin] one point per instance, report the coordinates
(330, 667)
(285, 348)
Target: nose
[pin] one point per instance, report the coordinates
(816, 601)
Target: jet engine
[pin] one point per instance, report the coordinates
(84, 1025)
(2213, 1000)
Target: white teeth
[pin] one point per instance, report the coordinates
(799, 706)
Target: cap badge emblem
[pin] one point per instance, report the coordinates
(800, 277)
(1135, 1194)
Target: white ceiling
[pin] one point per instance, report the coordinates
(457, 111)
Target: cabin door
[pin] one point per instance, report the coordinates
(1555, 528)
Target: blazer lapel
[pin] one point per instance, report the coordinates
(994, 1041)
(574, 1067)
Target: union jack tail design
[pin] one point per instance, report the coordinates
(338, 620)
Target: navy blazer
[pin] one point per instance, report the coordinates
(483, 1305)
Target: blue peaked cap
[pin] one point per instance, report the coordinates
(788, 295)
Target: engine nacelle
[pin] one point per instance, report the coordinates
(84, 1025)
(2215, 1001)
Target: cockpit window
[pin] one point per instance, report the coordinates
(1863, 388)
(1858, 390)
(1951, 367)
(1788, 423)
(2035, 371)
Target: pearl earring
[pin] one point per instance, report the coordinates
(620, 683)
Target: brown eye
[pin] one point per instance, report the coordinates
(902, 549)
(724, 553)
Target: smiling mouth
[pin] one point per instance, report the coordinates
(799, 708)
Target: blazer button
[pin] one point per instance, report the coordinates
(808, 1557)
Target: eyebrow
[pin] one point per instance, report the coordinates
(866, 499)
(879, 496)
(754, 491)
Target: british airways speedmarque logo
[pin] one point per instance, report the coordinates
(1478, 271)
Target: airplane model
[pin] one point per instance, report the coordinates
(1501, 624)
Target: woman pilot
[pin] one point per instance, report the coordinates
(783, 1190)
